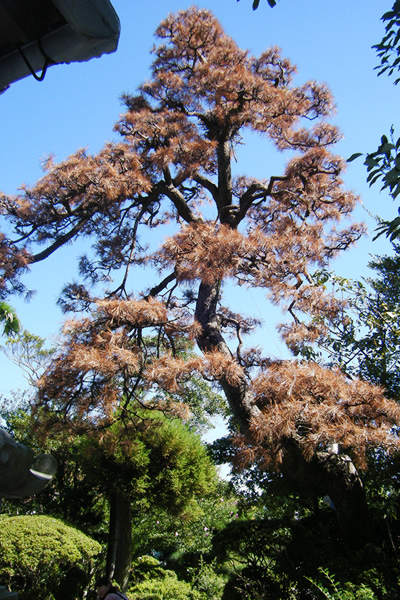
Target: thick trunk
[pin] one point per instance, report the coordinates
(332, 475)
(119, 550)
(224, 172)
(210, 338)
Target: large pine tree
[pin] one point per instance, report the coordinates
(173, 168)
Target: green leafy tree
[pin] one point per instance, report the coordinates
(28, 351)
(388, 49)
(279, 558)
(383, 165)
(179, 541)
(159, 463)
(254, 549)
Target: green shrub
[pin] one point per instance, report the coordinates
(152, 582)
(41, 557)
(332, 590)
(207, 581)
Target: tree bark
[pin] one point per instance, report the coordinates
(210, 338)
(119, 549)
(333, 475)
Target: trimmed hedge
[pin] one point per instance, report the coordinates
(41, 557)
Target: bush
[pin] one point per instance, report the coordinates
(207, 581)
(41, 557)
(153, 582)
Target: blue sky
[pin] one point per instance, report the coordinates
(76, 106)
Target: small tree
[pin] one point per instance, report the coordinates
(137, 461)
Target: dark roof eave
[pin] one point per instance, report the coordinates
(86, 35)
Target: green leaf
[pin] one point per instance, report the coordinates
(375, 179)
(371, 162)
(354, 156)
(387, 147)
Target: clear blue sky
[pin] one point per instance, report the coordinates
(76, 106)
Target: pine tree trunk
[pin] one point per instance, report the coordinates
(119, 550)
(325, 474)
(334, 476)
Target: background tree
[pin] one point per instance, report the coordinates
(364, 340)
(388, 49)
(28, 351)
(383, 165)
(179, 137)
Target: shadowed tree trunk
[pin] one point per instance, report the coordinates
(119, 551)
(335, 476)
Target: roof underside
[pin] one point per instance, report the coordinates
(40, 33)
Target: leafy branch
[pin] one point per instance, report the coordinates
(8, 317)
(384, 165)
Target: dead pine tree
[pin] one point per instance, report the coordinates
(170, 182)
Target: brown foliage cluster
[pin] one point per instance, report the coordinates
(316, 407)
(140, 313)
(168, 371)
(128, 350)
(13, 261)
(84, 195)
(100, 360)
(201, 68)
(179, 136)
